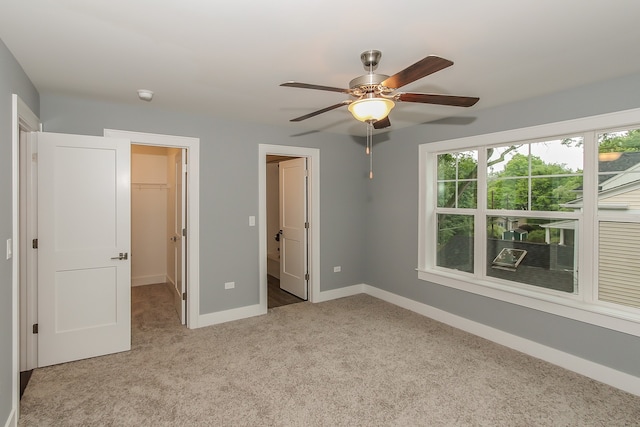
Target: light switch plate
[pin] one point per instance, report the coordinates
(9, 248)
(252, 221)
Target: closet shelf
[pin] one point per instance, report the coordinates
(149, 186)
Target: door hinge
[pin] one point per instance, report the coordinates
(306, 277)
(306, 224)
(184, 296)
(35, 328)
(184, 232)
(34, 243)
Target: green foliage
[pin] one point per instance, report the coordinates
(510, 188)
(536, 236)
(620, 142)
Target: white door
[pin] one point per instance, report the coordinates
(293, 220)
(84, 271)
(179, 238)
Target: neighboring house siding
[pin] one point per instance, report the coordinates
(618, 268)
(632, 198)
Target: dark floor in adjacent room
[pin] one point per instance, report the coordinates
(24, 380)
(276, 297)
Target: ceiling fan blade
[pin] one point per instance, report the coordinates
(420, 69)
(382, 123)
(429, 98)
(316, 87)
(324, 110)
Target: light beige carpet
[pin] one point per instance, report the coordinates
(355, 361)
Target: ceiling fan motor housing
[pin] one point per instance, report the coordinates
(369, 83)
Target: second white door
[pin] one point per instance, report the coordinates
(294, 227)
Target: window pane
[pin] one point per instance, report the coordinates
(562, 156)
(455, 242)
(468, 165)
(534, 251)
(446, 194)
(619, 151)
(508, 161)
(508, 194)
(552, 193)
(467, 194)
(447, 166)
(618, 267)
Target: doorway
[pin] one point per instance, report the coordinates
(293, 288)
(158, 206)
(312, 158)
(191, 242)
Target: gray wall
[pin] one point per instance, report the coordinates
(392, 217)
(12, 80)
(229, 190)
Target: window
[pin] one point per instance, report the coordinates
(548, 222)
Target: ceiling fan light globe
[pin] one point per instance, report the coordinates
(371, 109)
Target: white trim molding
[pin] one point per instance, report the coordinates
(587, 368)
(22, 118)
(231, 315)
(193, 211)
(340, 293)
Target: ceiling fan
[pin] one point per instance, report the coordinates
(375, 94)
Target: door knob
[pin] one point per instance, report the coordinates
(121, 256)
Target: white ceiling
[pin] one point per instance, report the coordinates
(227, 58)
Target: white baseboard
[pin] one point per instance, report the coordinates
(230, 315)
(604, 374)
(339, 293)
(11, 421)
(148, 280)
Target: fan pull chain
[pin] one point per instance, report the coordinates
(370, 148)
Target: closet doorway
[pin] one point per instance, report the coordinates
(158, 220)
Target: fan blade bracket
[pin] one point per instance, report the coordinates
(430, 98)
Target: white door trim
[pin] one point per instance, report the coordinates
(313, 156)
(21, 118)
(193, 207)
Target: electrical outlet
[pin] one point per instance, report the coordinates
(337, 269)
(230, 285)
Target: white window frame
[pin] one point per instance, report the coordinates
(582, 306)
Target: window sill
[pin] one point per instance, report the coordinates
(568, 306)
